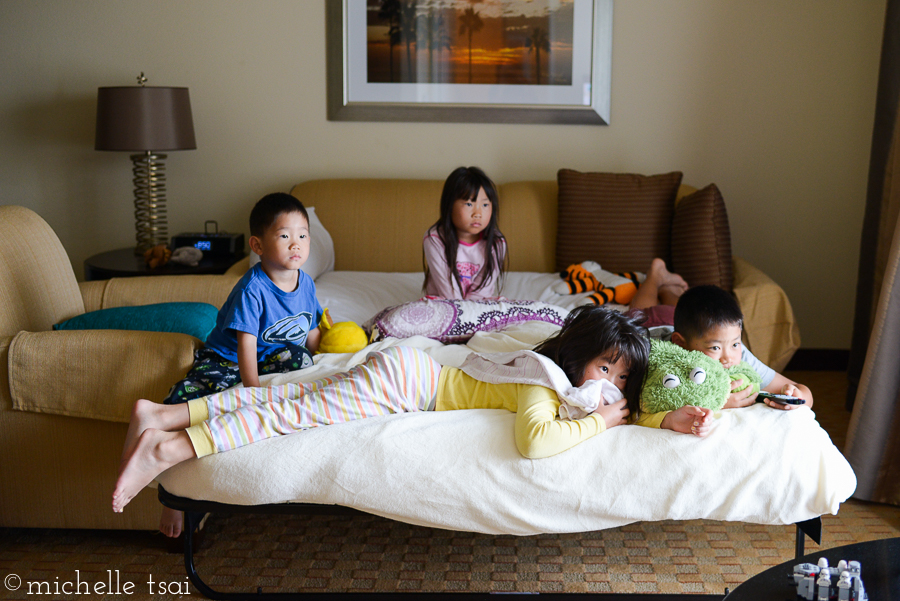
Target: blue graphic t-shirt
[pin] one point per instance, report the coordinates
(259, 307)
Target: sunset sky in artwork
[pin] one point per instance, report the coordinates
(512, 41)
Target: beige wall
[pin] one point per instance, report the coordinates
(771, 100)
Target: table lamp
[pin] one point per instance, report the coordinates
(146, 119)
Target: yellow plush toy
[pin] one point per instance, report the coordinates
(341, 337)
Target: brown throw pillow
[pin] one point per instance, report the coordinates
(701, 239)
(619, 220)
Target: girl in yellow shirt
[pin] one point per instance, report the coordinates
(595, 343)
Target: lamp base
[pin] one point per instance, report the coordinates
(150, 216)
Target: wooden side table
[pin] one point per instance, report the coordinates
(123, 263)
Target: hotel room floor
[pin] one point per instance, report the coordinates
(367, 553)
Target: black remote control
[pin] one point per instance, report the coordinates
(780, 398)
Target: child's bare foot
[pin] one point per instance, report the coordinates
(171, 522)
(155, 452)
(147, 414)
(689, 420)
(665, 277)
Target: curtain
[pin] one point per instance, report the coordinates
(873, 437)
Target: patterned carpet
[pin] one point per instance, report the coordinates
(367, 553)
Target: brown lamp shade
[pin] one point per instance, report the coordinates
(139, 118)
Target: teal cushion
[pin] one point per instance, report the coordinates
(195, 319)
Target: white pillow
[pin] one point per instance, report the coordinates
(321, 248)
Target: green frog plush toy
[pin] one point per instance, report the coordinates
(677, 377)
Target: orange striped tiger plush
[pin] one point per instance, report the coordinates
(605, 286)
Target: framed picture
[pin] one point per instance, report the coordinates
(477, 61)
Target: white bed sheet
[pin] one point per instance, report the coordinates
(461, 470)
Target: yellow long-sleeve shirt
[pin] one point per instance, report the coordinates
(539, 431)
(651, 420)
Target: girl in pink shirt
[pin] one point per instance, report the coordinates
(464, 251)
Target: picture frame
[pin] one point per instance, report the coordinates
(582, 99)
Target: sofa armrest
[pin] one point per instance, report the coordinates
(770, 330)
(239, 268)
(92, 294)
(147, 290)
(96, 374)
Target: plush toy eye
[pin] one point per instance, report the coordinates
(671, 381)
(698, 375)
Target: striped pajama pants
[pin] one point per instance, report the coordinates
(394, 380)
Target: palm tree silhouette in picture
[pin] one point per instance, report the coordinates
(538, 41)
(390, 11)
(438, 38)
(408, 33)
(470, 22)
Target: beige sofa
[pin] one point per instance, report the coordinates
(66, 396)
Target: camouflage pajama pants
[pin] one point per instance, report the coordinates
(213, 373)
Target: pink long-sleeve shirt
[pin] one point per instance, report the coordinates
(470, 259)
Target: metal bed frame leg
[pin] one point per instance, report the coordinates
(192, 521)
(811, 528)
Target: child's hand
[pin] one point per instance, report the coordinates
(782, 385)
(741, 398)
(689, 420)
(790, 390)
(613, 414)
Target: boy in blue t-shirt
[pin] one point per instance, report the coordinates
(269, 322)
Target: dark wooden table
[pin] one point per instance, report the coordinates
(123, 263)
(879, 569)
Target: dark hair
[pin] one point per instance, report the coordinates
(702, 308)
(270, 207)
(465, 182)
(591, 331)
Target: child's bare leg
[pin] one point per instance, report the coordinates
(668, 294)
(171, 522)
(147, 414)
(646, 296)
(658, 287)
(155, 452)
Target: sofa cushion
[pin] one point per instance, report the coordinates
(376, 224)
(701, 239)
(620, 220)
(194, 319)
(527, 219)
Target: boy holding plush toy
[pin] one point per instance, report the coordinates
(708, 320)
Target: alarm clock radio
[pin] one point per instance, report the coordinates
(211, 243)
